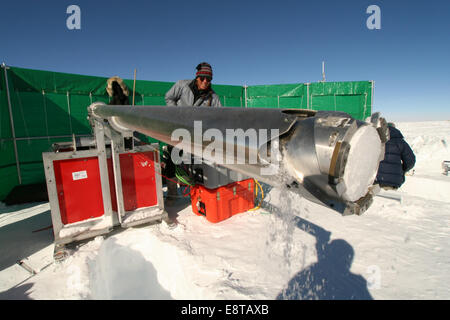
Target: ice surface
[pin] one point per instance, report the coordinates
(92, 225)
(289, 249)
(141, 214)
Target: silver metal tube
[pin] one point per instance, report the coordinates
(317, 153)
(11, 120)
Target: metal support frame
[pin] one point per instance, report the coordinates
(116, 134)
(11, 120)
(47, 137)
(94, 226)
(89, 228)
(116, 147)
(152, 213)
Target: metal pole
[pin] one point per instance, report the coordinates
(45, 114)
(315, 153)
(245, 95)
(12, 125)
(134, 85)
(68, 110)
(46, 137)
(371, 102)
(307, 96)
(323, 71)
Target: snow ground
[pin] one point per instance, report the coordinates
(289, 249)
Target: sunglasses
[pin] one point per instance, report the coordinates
(205, 78)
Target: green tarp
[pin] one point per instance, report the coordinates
(49, 107)
(355, 98)
(8, 170)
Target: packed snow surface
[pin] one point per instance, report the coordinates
(291, 248)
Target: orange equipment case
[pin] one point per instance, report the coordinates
(223, 202)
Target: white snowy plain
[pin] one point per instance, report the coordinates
(289, 249)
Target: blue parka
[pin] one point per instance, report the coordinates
(398, 159)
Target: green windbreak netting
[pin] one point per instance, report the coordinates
(354, 98)
(30, 155)
(230, 96)
(8, 170)
(277, 96)
(49, 107)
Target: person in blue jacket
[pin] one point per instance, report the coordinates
(398, 159)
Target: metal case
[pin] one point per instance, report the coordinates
(82, 189)
(213, 176)
(141, 197)
(72, 217)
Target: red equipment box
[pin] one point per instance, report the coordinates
(223, 202)
(138, 180)
(79, 189)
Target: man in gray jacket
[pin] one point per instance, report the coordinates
(195, 92)
(186, 93)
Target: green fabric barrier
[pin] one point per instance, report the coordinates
(7, 154)
(353, 97)
(5, 125)
(30, 156)
(277, 96)
(9, 180)
(49, 105)
(8, 170)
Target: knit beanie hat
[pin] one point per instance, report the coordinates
(204, 70)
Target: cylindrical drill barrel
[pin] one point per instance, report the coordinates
(329, 157)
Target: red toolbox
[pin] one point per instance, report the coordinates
(223, 202)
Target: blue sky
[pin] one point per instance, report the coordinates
(247, 42)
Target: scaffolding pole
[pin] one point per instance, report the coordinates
(245, 96)
(13, 131)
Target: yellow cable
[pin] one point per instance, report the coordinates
(262, 196)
